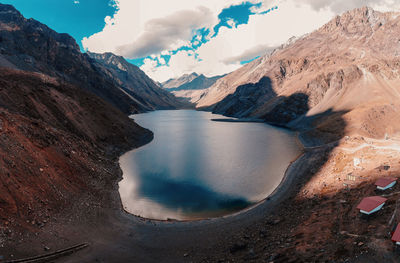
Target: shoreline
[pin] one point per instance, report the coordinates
(267, 198)
(125, 237)
(137, 239)
(130, 238)
(239, 120)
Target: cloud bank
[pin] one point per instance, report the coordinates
(175, 37)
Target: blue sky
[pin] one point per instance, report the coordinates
(83, 18)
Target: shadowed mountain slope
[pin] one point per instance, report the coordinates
(26, 44)
(136, 83)
(62, 123)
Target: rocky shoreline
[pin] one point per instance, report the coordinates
(275, 230)
(113, 210)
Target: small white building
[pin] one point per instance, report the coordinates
(385, 183)
(371, 204)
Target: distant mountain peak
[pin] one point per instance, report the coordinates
(190, 74)
(189, 86)
(356, 21)
(11, 19)
(176, 82)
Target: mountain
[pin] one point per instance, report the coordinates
(63, 124)
(338, 88)
(28, 45)
(190, 86)
(198, 83)
(250, 73)
(350, 65)
(143, 90)
(174, 83)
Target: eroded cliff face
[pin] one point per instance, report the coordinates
(350, 65)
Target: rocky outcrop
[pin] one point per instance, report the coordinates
(341, 67)
(143, 90)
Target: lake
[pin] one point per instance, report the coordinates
(197, 168)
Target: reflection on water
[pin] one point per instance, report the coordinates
(197, 168)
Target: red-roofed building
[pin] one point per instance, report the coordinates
(385, 183)
(371, 204)
(396, 235)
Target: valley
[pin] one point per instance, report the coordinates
(64, 126)
(189, 87)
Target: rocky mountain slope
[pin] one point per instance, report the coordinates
(53, 135)
(62, 126)
(350, 65)
(143, 90)
(190, 87)
(339, 88)
(26, 44)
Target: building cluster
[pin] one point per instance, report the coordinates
(373, 204)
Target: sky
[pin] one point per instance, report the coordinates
(169, 38)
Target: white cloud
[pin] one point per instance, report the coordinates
(224, 52)
(263, 32)
(76, 2)
(231, 23)
(166, 33)
(137, 19)
(250, 53)
(161, 60)
(153, 27)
